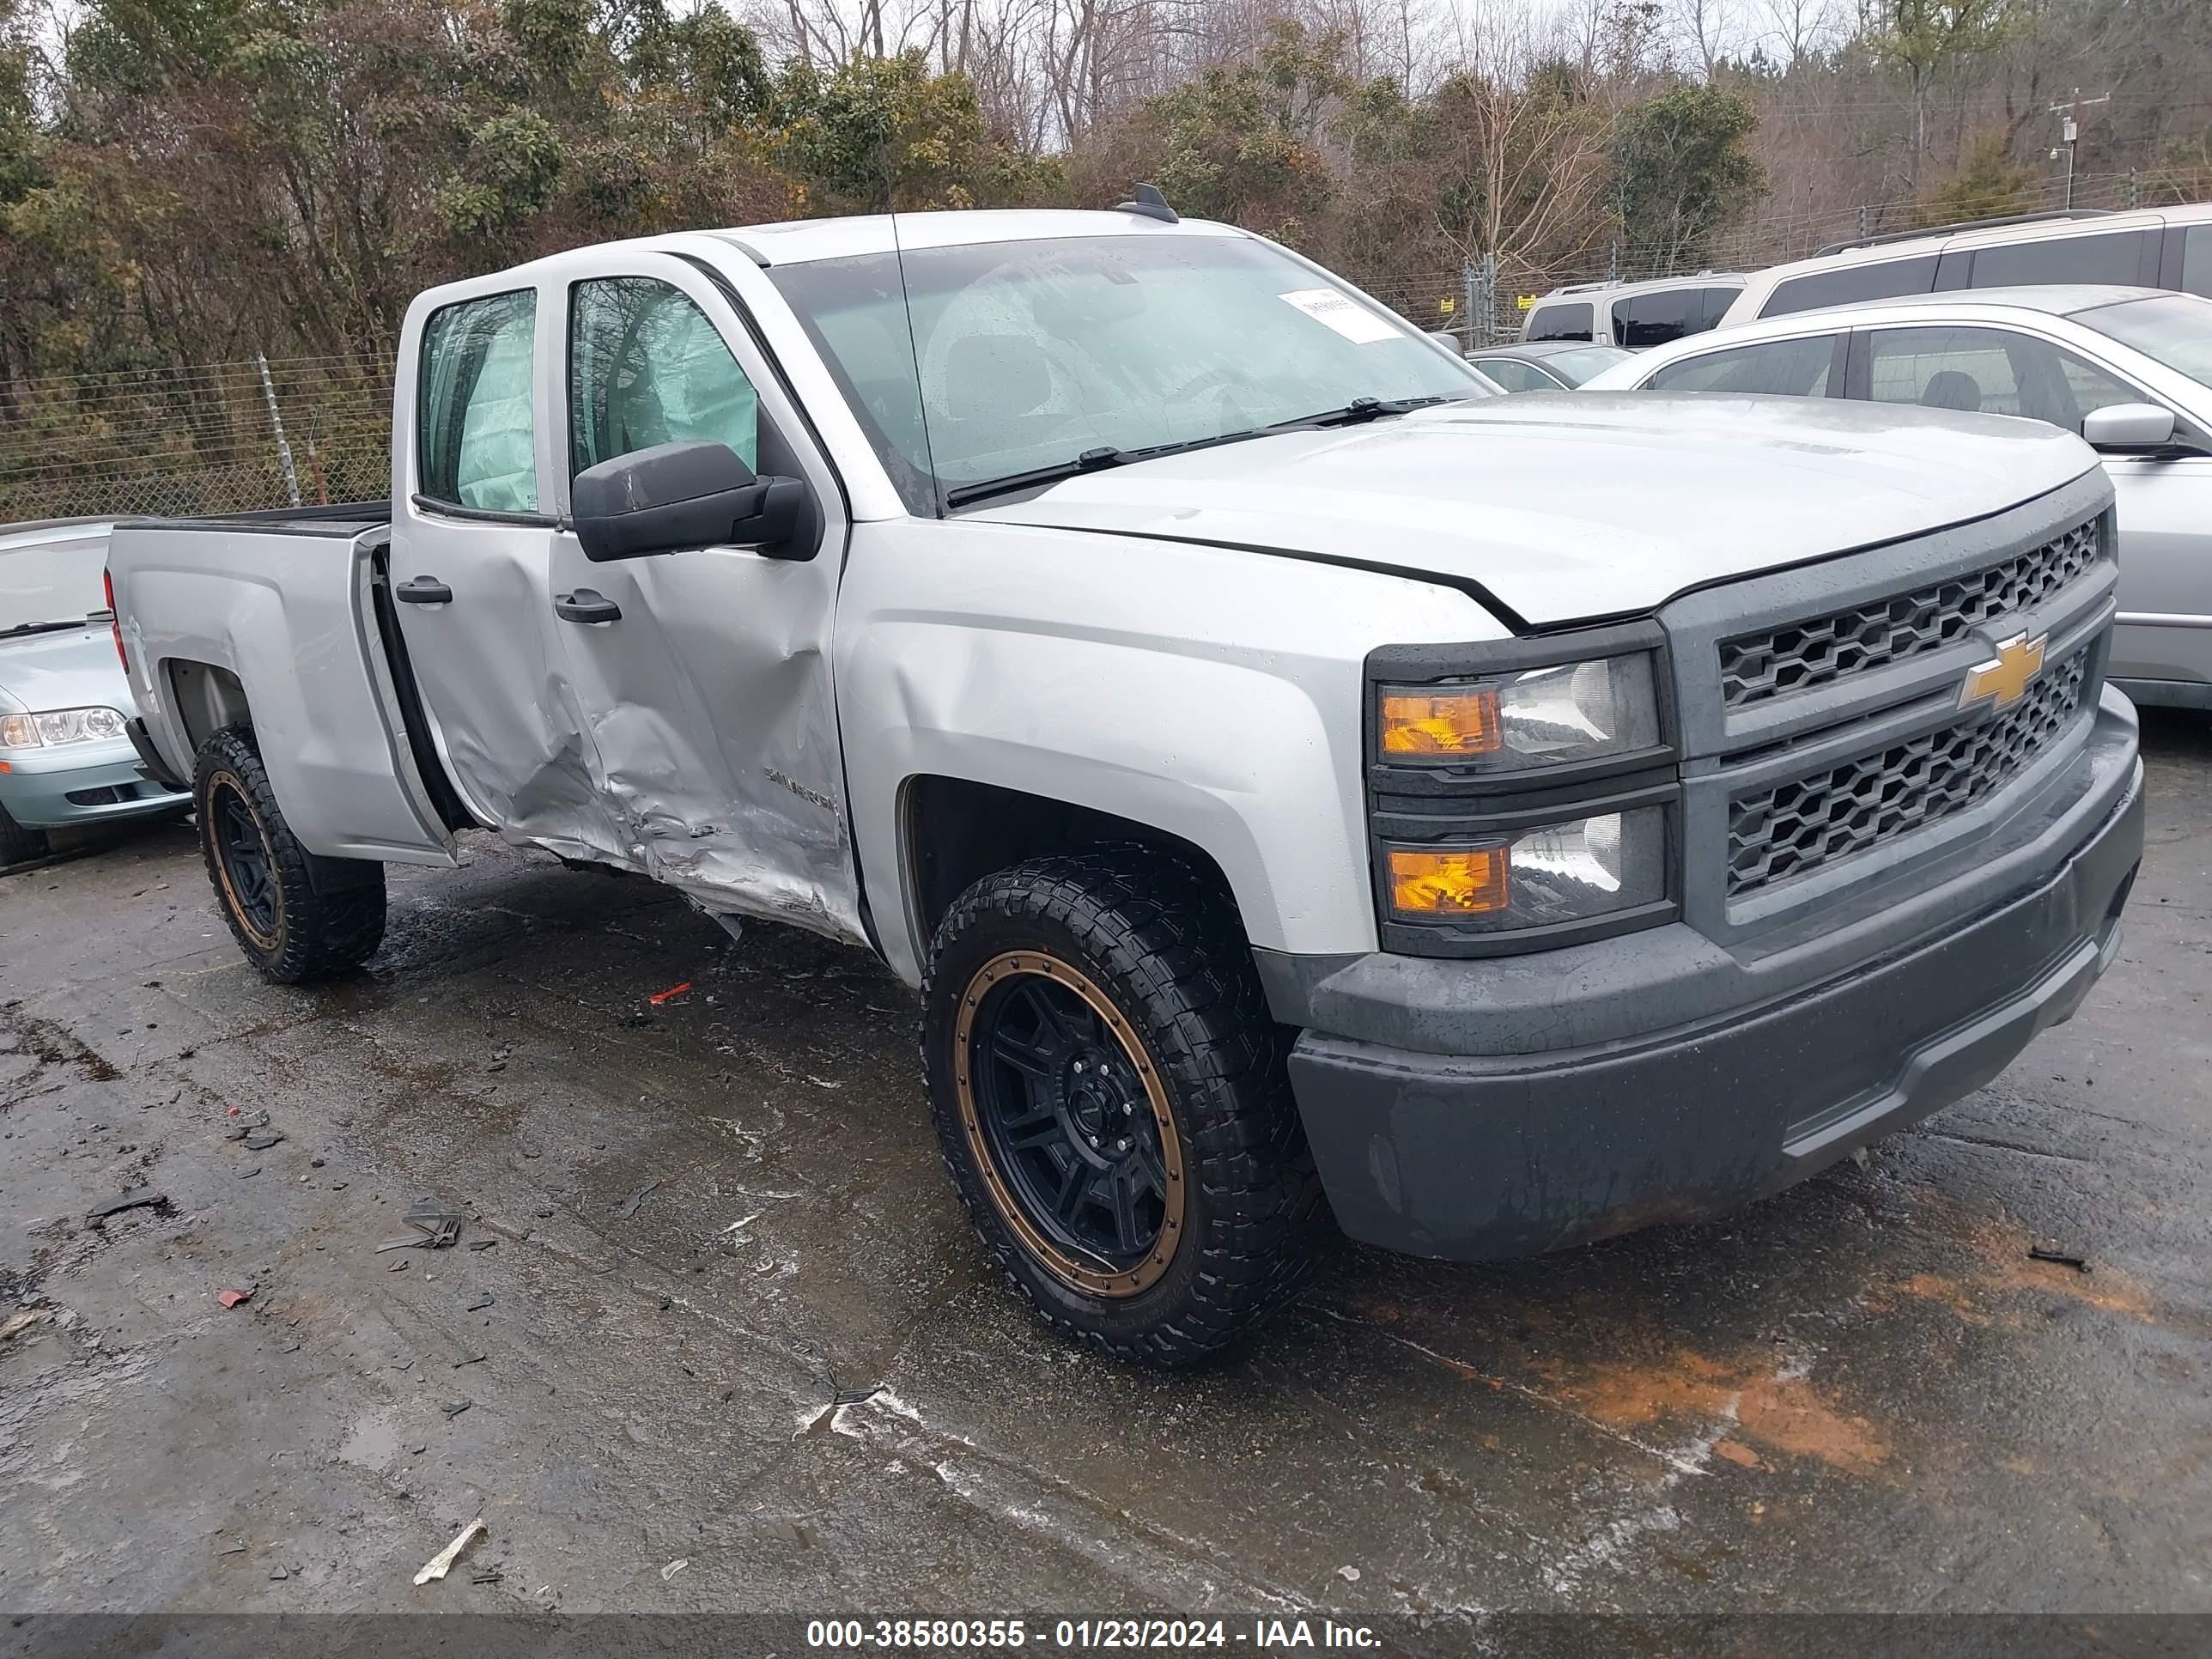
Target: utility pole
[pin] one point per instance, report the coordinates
(2069, 133)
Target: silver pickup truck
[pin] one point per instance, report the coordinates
(1282, 768)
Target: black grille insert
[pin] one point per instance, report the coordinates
(1792, 829)
(1813, 653)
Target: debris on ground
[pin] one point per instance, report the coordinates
(145, 1198)
(436, 1228)
(486, 1576)
(471, 1359)
(673, 1568)
(23, 1321)
(277, 1575)
(262, 1140)
(670, 994)
(2062, 1258)
(482, 1243)
(398, 1266)
(855, 1396)
(454, 1409)
(627, 1207)
(439, 1564)
(482, 1301)
(634, 1021)
(231, 1549)
(231, 1298)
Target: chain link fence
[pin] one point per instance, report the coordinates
(231, 437)
(214, 438)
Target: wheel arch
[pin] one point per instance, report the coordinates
(954, 831)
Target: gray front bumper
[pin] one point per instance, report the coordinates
(1475, 1109)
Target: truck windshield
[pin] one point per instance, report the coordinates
(1026, 355)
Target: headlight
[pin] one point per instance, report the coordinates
(1575, 711)
(1573, 871)
(59, 725)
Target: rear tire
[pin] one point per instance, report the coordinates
(1110, 1095)
(19, 844)
(297, 916)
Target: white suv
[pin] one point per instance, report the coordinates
(1633, 314)
(2169, 248)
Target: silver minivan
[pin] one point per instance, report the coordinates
(1633, 315)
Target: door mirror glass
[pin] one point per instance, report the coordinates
(2123, 428)
(674, 496)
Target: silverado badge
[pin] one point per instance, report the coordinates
(2005, 677)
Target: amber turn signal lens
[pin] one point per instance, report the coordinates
(1463, 881)
(1463, 722)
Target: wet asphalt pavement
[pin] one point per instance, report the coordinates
(703, 1225)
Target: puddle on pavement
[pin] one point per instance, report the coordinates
(372, 1443)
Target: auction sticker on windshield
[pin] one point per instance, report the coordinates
(1355, 322)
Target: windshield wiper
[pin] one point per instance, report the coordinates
(40, 628)
(1359, 410)
(1097, 460)
(1090, 460)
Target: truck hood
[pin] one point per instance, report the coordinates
(1572, 506)
(75, 669)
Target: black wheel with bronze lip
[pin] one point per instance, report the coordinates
(1108, 1090)
(296, 915)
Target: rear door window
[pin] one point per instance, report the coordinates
(1777, 368)
(475, 428)
(1567, 322)
(1716, 302)
(1650, 319)
(2117, 257)
(1848, 286)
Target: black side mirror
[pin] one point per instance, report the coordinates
(674, 496)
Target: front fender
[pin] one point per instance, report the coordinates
(1212, 694)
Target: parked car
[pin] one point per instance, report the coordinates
(1632, 315)
(1266, 757)
(65, 756)
(2130, 369)
(1548, 366)
(2169, 248)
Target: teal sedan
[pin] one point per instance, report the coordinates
(65, 756)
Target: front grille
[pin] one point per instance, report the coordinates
(1813, 653)
(1791, 828)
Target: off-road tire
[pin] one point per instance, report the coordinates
(1165, 947)
(324, 916)
(19, 843)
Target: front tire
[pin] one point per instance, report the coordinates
(1110, 1095)
(19, 844)
(297, 916)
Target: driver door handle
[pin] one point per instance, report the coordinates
(585, 605)
(423, 590)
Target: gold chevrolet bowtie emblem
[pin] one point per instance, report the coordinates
(2005, 677)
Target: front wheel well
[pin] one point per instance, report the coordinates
(958, 831)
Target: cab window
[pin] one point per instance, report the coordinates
(1774, 368)
(645, 367)
(476, 433)
(1571, 322)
